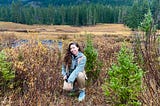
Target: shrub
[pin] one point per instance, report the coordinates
(6, 73)
(93, 65)
(125, 80)
(147, 48)
(37, 73)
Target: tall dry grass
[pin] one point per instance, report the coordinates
(38, 69)
(147, 54)
(37, 74)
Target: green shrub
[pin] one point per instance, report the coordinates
(93, 65)
(125, 80)
(147, 24)
(6, 73)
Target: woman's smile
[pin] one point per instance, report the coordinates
(74, 49)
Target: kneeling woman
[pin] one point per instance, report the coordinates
(73, 69)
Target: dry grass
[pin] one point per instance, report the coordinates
(107, 40)
(62, 31)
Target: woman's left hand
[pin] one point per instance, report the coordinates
(69, 86)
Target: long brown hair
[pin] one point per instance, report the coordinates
(68, 55)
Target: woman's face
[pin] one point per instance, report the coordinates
(74, 49)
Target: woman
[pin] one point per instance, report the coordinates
(73, 68)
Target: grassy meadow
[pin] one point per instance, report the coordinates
(38, 80)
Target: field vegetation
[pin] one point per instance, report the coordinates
(37, 67)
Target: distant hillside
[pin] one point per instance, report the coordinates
(66, 2)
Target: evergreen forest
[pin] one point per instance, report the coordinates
(78, 12)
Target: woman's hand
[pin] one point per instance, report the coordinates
(69, 87)
(65, 77)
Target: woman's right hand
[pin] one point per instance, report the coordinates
(65, 77)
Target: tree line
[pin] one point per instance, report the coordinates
(70, 15)
(78, 15)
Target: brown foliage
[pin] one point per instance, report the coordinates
(148, 48)
(6, 39)
(37, 72)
